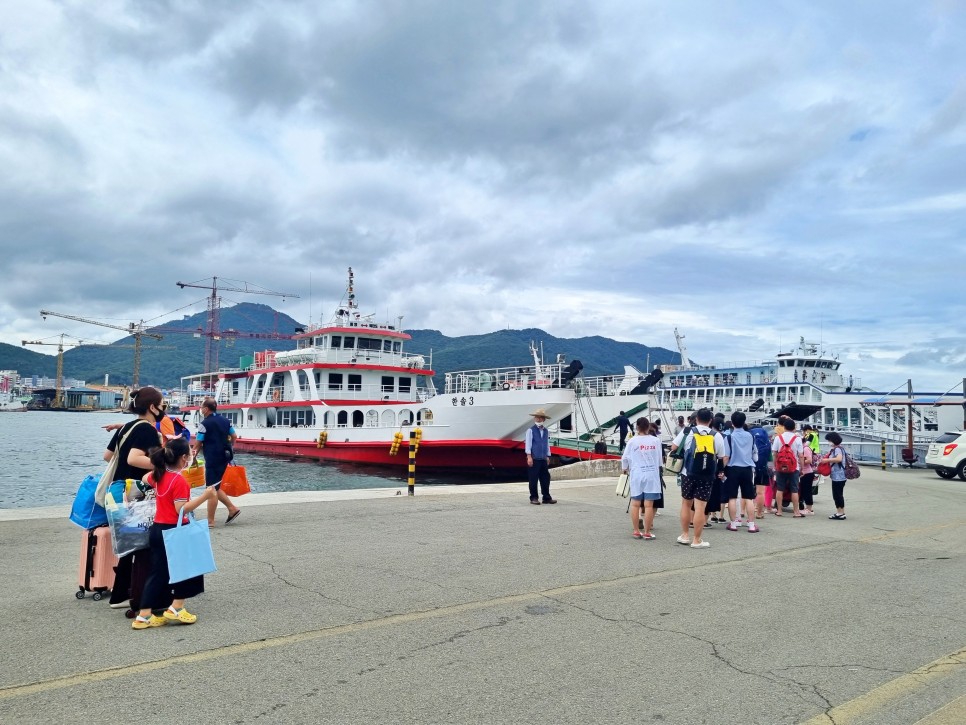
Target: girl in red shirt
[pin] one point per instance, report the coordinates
(173, 500)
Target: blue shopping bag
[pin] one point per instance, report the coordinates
(86, 512)
(188, 548)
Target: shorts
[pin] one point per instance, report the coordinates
(696, 488)
(213, 475)
(761, 475)
(740, 478)
(648, 497)
(786, 482)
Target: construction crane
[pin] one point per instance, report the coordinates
(59, 385)
(133, 328)
(212, 331)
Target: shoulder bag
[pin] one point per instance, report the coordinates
(107, 478)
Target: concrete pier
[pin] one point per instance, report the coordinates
(467, 604)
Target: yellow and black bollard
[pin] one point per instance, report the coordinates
(883, 455)
(413, 444)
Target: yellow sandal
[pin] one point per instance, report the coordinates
(180, 615)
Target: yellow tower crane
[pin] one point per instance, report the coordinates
(133, 328)
(59, 386)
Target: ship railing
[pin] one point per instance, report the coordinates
(601, 385)
(344, 357)
(509, 378)
(372, 392)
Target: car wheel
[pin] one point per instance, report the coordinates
(961, 470)
(945, 472)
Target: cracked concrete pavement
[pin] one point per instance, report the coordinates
(470, 605)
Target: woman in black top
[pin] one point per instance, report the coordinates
(133, 462)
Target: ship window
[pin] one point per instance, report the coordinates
(372, 419)
(328, 418)
(348, 343)
(424, 416)
(387, 345)
(405, 417)
(388, 383)
(405, 385)
(355, 382)
(368, 343)
(388, 419)
(357, 418)
(343, 419)
(336, 341)
(759, 392)
(335, 381)
(397, 347)
(809, 363)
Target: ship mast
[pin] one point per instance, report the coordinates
(679, 338)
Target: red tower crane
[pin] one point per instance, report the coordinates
(212, 331)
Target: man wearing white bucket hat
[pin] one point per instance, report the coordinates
(538, 458)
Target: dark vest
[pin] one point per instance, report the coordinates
(539, 442)
(215, 444)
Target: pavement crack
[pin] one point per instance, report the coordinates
(278, 575)
(455, 637)
(804, 688)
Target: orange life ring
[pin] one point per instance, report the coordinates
(276, 395)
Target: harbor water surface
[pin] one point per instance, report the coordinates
(46, 455)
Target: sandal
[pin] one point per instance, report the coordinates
(637, 535)
(179, 615)
(148, 622)
(232, 517)
(777, 513)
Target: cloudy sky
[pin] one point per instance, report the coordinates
(749, 172)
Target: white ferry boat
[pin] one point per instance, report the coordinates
(12, 399)
(349, 392)
(806, 383)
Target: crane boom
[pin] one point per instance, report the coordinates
(133, 328)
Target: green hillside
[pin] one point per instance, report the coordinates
(505, 348)
(165, 367)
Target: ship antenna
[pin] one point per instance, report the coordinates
(350, 291)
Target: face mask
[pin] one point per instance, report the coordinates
(159, 415)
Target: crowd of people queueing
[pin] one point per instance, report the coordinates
(730, 474)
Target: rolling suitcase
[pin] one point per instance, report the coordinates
(97, 562)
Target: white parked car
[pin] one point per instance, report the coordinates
(947, 455)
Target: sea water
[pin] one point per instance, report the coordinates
(45, 456)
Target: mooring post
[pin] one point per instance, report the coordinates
(883, 454)
(412, 463)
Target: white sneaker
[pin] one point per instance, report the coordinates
(126, 604)
(734, 526)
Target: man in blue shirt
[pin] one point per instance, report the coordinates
(740, 476)
(537, 447)
(214, 438)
